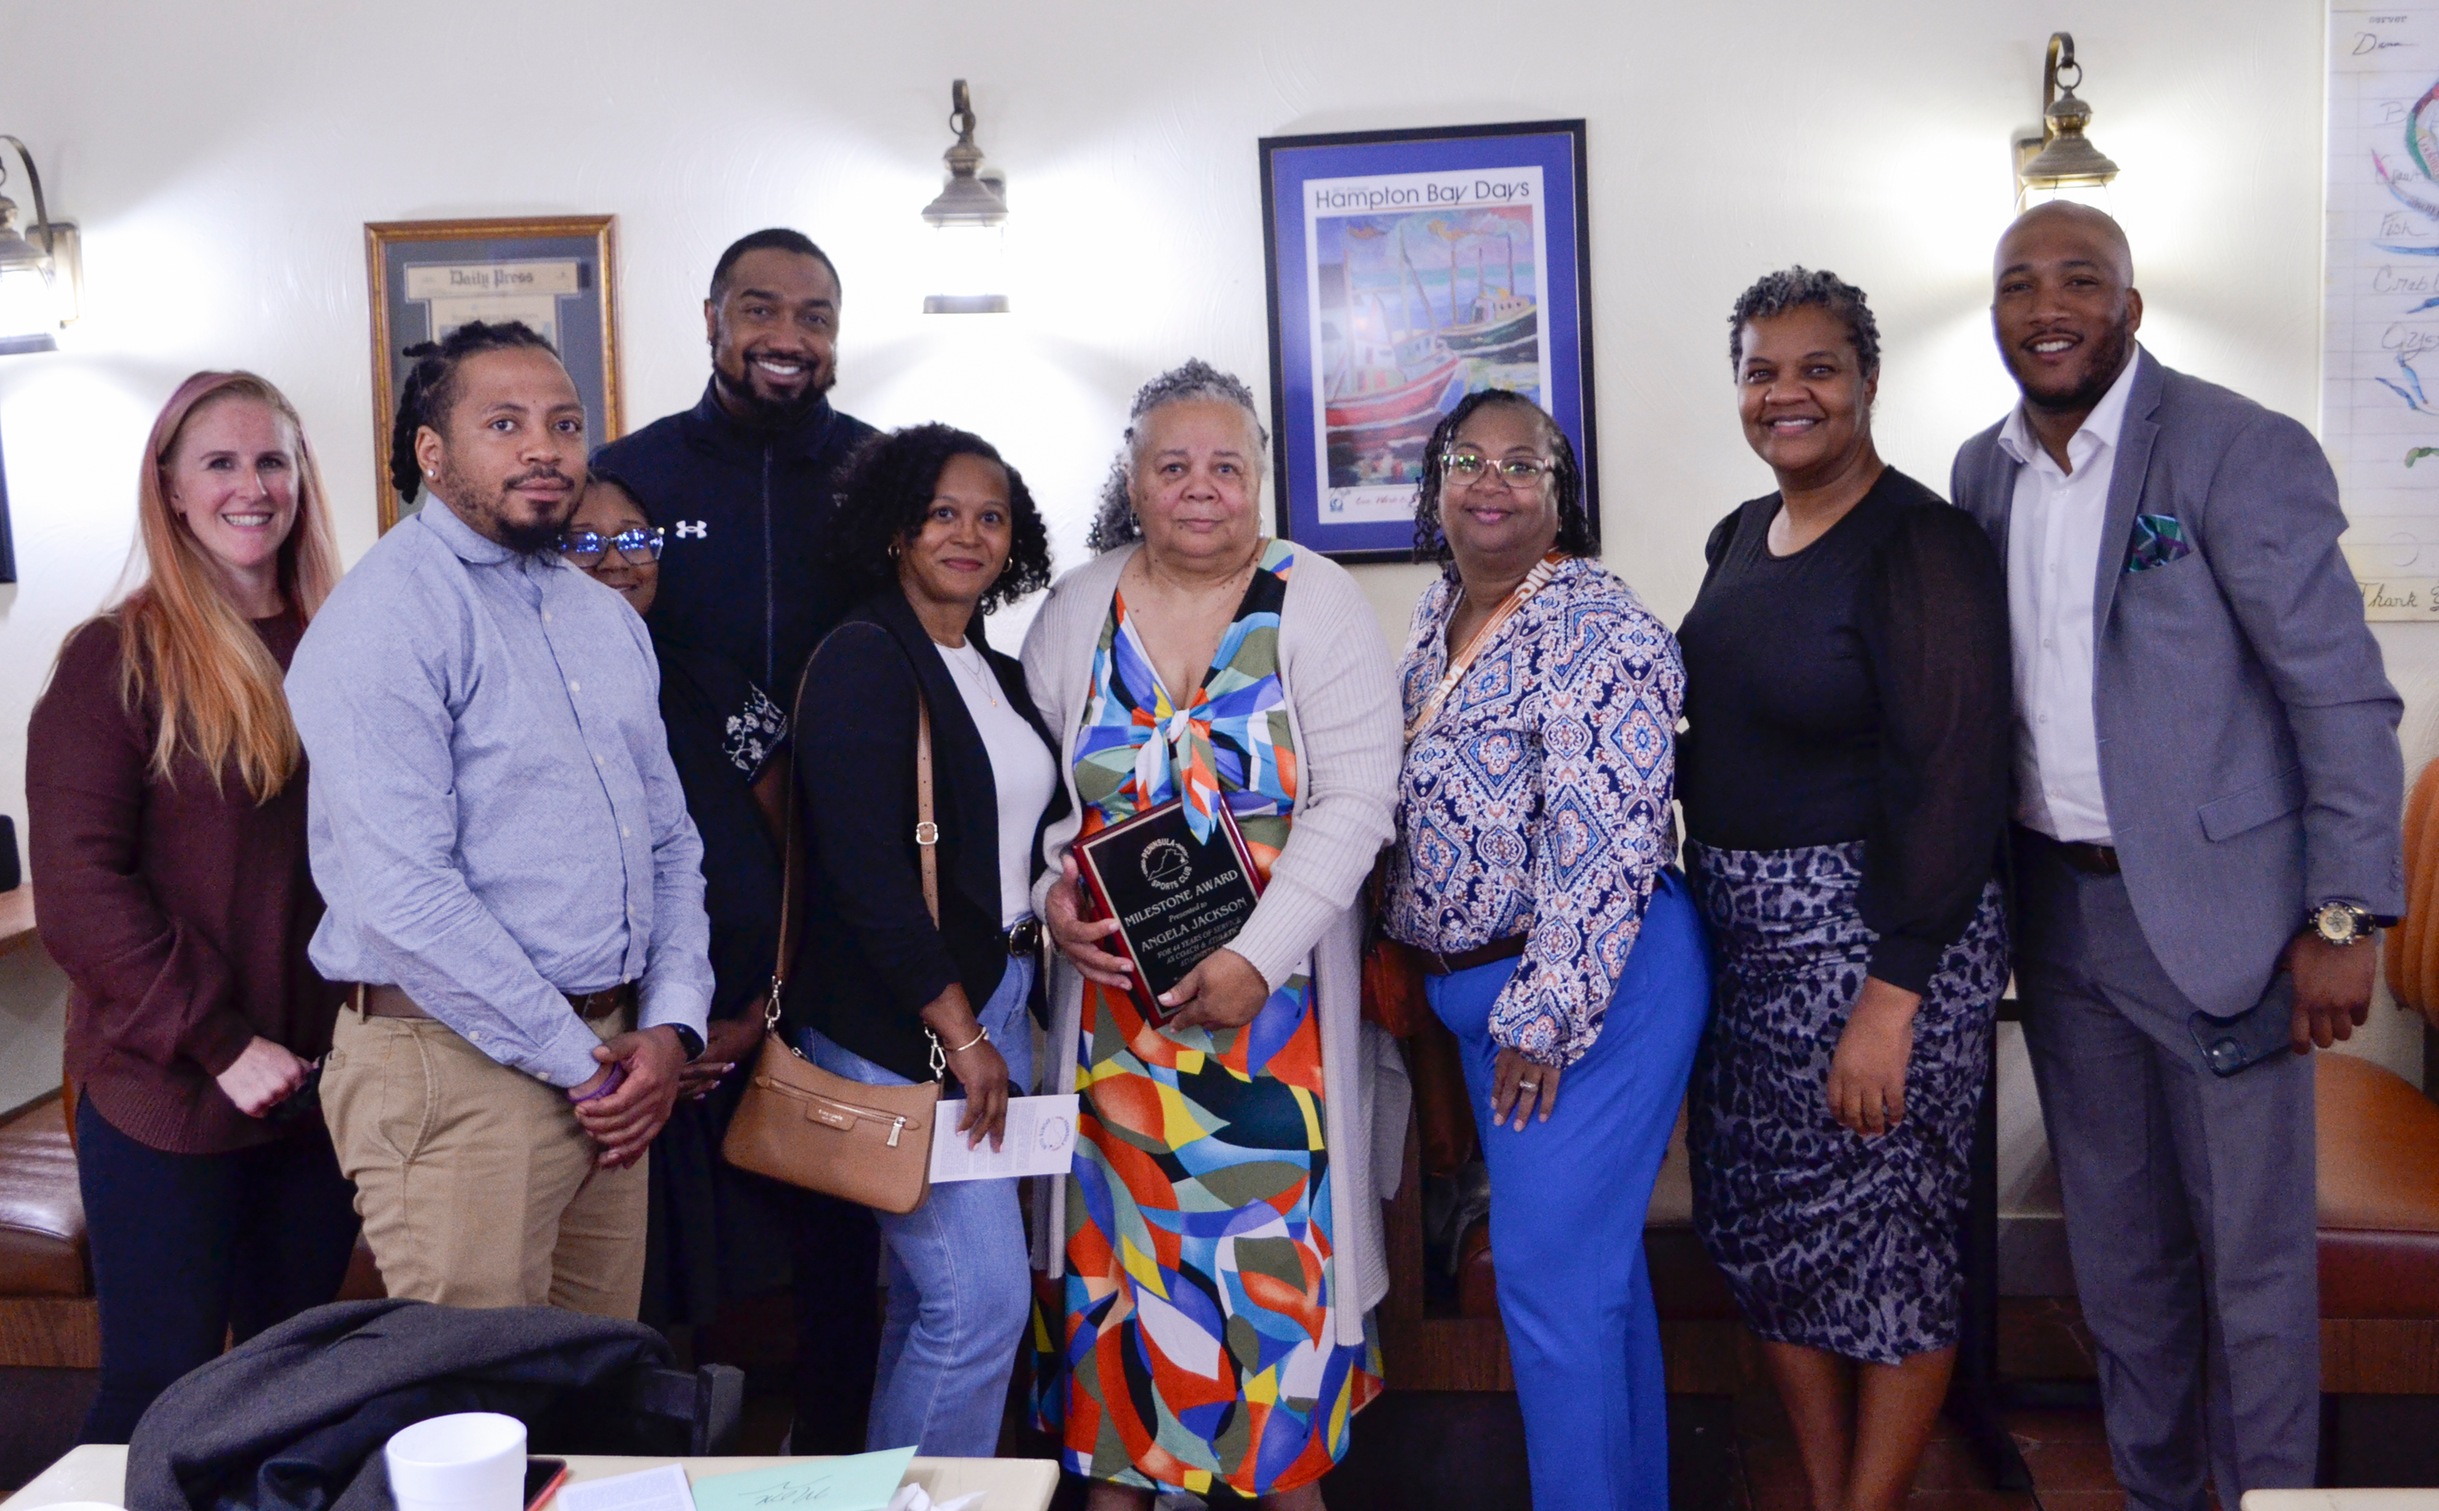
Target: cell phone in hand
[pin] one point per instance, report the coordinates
(307, 1098)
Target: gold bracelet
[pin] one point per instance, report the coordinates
(982, 1035)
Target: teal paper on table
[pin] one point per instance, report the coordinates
(861, 1482)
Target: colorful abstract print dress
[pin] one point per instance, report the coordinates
(1199, 1329)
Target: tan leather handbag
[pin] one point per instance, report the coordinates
(800, 1124)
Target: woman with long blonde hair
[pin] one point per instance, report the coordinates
(166, 793)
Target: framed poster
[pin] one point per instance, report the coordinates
(1408, 269)
(431, 276)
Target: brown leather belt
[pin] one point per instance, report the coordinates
(1437, 964)
(383, 1001)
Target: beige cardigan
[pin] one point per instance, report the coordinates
(1342, 711)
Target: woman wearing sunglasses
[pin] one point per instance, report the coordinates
(716, 1234)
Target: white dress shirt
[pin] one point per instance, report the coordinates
(2053, 566)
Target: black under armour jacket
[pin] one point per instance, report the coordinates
(747, 514)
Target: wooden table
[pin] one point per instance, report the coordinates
(98, 1472)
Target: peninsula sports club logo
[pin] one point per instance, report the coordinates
(691, 529)
(1166, 864)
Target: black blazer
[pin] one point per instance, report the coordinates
(871, 958)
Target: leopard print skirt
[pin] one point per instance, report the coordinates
(1831, 1240)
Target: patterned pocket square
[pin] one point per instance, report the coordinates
(2158, 540)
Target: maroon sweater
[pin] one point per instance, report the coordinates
(180, 910)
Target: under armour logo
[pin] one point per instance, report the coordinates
(692, 529)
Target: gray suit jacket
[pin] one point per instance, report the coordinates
(2248, 735)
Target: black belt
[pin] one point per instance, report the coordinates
(2081, 854)
(1437, 964)
(1024, 939)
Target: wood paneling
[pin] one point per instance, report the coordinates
(50, 1332)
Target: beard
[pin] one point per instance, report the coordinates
(491, 517)
(2108, 360)
(746, 399)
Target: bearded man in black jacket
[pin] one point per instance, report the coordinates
(744, 486)
(745, 482)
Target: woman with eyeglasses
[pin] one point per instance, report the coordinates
(717, 1234)
(1845, 780)
(1533, 871)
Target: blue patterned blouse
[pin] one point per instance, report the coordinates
(1538, 797)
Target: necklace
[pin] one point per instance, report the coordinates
(974, 667)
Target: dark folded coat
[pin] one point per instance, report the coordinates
(295, 1419)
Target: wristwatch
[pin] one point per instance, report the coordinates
(2342, 923)
(688, 1040)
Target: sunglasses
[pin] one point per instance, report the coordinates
(637, 546)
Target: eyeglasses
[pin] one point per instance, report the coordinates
(586, 547)
(1519, 473)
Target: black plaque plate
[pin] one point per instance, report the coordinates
(1176, 898)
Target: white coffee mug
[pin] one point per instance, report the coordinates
(469, 1461)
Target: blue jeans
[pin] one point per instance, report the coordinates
(960, 1287)
(1568, 1199)
(191, 1248)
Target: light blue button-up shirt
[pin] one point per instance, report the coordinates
(493, 815)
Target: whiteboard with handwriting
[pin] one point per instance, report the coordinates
(2380, 373)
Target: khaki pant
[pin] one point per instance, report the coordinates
(476, 1184)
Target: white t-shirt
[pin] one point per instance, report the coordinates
(1022, 774)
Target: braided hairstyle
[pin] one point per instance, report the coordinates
(1577, 535)
(431, 388)
(1114, 524)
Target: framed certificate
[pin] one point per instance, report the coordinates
(431, 276)
(1176, 898)
(1407, 270)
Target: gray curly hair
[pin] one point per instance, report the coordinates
(1114, 524)
(1792, 288)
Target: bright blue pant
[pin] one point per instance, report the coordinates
(960, 1276)
(1568, 1198)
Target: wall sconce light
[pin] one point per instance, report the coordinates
(2061, 162)
(41, 276)
(968, 222)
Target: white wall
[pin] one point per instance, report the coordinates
(223, 159)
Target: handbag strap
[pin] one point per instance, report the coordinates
(792, 848)
(927, 830)
(791, 863)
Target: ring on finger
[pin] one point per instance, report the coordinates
(1528, 1085)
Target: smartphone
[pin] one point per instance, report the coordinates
(543, 1477)
(2261, 1032)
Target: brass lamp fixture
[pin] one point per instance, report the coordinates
(968, 221)
(40, 275)
(2061, 160)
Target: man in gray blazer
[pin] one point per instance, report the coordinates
(2207, 803)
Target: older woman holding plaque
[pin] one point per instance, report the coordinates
(1563, 949)
(1218, 1242)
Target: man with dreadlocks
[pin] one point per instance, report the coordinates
(511, 876)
